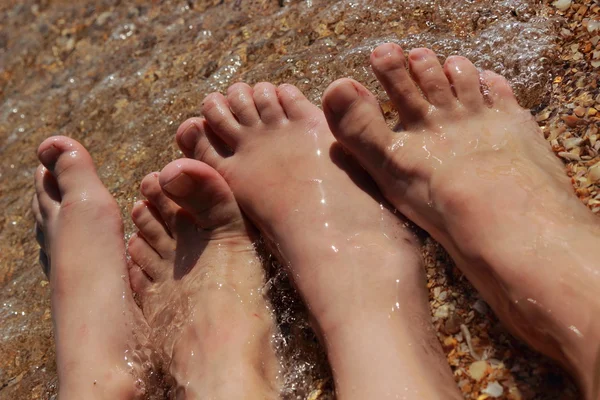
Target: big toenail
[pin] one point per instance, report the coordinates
(383, 51)
(179, 186)
(49, 157)
(188, 137)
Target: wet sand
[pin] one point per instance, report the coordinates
(120, 77)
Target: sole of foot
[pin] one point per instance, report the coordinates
(472, 168)
(98, 328)
(354, 262)
(201, 285)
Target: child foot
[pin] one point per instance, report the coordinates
(474, 171)
(200, 285)
(97, 326)
(352, 260)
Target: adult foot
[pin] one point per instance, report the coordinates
(472, 168)
(200, 285)
(98, 328)
(353, 261)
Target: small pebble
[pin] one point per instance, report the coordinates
(494, 389)
(478, 369)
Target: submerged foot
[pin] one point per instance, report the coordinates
(200, 285)
(472, 168)
(353, 261)
(98, 327)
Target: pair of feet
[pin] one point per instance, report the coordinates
(468, 166)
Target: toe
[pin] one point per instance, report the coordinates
(166, 208)
(430, 77)
(389, 65)
(355, 119)
(188, 134)
(47, 195)
(74, 171)
(196, 140)
(144, 256)
(152, 228)
(464, 77)
(499, 91)
(267, 103)
(295, 105)
(35, 208)
(139, 281)
(202, 192)
(217, 112)
(241, 102)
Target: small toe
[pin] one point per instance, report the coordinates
(167, 209)
(464, 77)
(390, 67)
(217, 112)
(499, 91)
(295, 105)
(355, 119)
(139, 281)
(47, 194)
(152, 228)
(143, 255)
(430, 77)
(241, 103)
(202, 192)
(267, 103)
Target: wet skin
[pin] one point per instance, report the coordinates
(98, 328)
(200, 285)
(353, 261)
(471, 167)
(216, 344)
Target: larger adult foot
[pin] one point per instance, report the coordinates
(354, 263)
(98, 326)
(200, 284)
(474, 171)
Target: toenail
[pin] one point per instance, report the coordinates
(387, 50)
(179, 186)
(419, 54)
(346, 95)
(188, 137)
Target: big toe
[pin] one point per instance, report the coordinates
(355, 119)
(196, 139)
(70, 177)
(203, 192)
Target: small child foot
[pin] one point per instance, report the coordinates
(200, 285)
(98, 327)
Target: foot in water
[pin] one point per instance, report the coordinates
(472, 168)
(200, 285)
(354, 262)
(98, 328)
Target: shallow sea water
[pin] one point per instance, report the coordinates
(120, 77)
